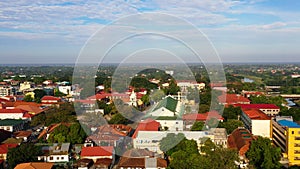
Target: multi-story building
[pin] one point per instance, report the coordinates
(286, 135)
(268, 109)
(257, 122)
(6, 91)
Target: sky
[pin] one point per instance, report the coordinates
(56, 31)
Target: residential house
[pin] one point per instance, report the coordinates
(257, 122)
(97, 152)
(35, 165)
(4, 149)
(6, 91)
(12, 125)
(136, 158)
(58, 152)
(84, 164)
(50, 100)
(109, 135)
(13, 114)
(25, 135)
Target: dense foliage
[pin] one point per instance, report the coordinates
(263, 155)
(26, 152)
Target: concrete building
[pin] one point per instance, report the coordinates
(268, 109)
(58, 152)
(150, 140)
(168, 112)
(257, 122)
(25, 86)
(6, 91)
(286, 135)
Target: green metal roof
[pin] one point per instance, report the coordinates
(10, 122)
(169, 103)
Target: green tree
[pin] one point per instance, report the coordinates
(38, 94)
(168, 143)
(203, 108)
(197, 126)
(231, 125)
(231, 112)
(28, 98)
(26, 152)
(263, 155)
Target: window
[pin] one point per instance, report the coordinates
(57, 158)
(292, 132)
(296, 145)
(51, 158)
(297, 138)
(297, 152)
(176, 122)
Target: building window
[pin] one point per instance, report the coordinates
(297, 152)
(297, 138)
(62, 158)
(57, 158)
(51, 158)
(292, 132)
(296, 145)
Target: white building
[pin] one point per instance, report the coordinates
(25, 86)
(184, 85)
(12, 114)
(6, 91)
(257, 122)
(59, 152)
(150, 140)
(168, 112)
(65, 89)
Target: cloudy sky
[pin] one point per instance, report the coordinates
(38, 31)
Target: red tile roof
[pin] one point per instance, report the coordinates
(31, 109)
(97, 151)
(12, 111)
(146, 125)
(257, 106)
(202, 116)
(240, 139)
(256, 114)
(4, 147)
(231, 99)
(45, 98)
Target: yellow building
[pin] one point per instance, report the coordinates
(286, 135)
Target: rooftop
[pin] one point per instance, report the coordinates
(10, 122)
(169, 103)
(146, 125)
(258, 106)
(97, 151)
(288, 123)
(34, 165)
(256, 114)
(202, 116)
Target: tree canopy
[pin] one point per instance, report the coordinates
(26, 152)
(263, 155)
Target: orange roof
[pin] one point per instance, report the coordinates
(232, 99)
(12, 111)
(256, 114)
(31, 109)
(97, 151)
(240, 139)
(45, 98)
(146, 125)
(4, 147)
(34, 165)
(22, 133)
(18, 103)
(202, 116)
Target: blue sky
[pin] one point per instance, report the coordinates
(36, 31)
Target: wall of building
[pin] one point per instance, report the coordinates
(261, 128)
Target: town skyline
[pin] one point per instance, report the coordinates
(241, 31)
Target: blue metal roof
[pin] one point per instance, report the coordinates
(288, 123)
